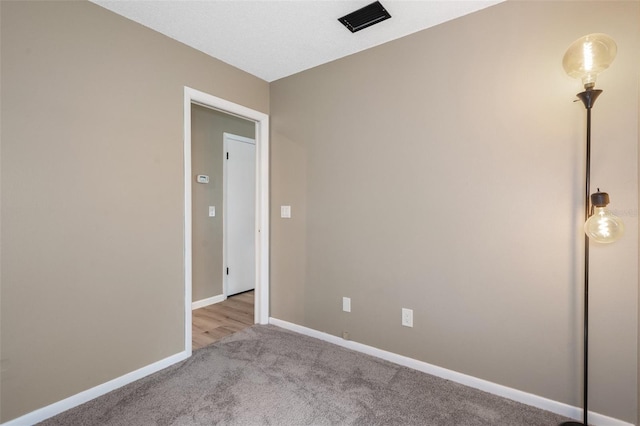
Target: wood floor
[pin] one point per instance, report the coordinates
(216, 321)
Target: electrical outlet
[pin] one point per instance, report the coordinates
(407, 317)
(345, 335)
(346, 304)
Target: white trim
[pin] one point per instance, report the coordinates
(262, 202)
(225, 202)
(242, 139)
(261, 298)
(208, 301)
(188, 259)
(464, 379)
(85, 396)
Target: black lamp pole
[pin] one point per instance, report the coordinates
(588, 98)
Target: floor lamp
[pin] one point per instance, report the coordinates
(585, 59)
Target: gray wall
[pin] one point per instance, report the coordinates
(207, 144)
(92, 195)
(443, 172)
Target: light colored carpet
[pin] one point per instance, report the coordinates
(265, 375)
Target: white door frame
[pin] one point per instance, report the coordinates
(192, 96)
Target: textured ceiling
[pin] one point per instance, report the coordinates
(274, 39)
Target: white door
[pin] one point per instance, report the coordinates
(239, 213)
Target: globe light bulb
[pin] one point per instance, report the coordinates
(603, 226)
(589, 56)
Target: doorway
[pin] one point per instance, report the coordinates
(214, 322)
(260, 229)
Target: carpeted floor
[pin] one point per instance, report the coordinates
(265, 375)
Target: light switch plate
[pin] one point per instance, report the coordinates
(285, 212)
(346, 304)
(212, 211)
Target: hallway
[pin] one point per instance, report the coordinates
(213, 322)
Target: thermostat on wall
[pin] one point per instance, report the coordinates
(203, 179)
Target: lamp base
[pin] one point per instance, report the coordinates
(571, 424)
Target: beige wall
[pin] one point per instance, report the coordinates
(443, 172)
(207, 136)
(440, 172)
(92, 195)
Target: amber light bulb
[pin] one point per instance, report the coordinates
(589, 56)
(603, 226)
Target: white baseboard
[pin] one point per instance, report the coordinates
(484, 385)
(85, 396)
(208, 301)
